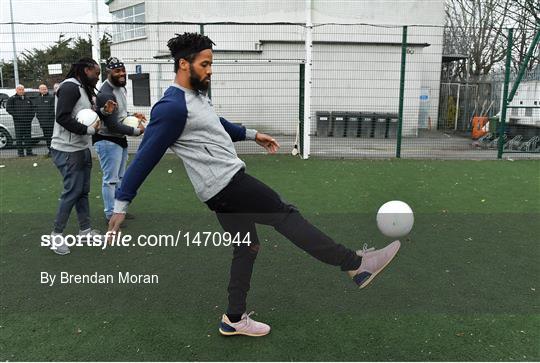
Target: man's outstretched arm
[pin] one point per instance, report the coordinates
(236, 132)
(240, 133)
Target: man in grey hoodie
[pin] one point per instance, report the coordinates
(110, 141)
(184, 121)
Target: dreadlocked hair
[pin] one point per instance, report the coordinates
(77, 71)
(187, 46)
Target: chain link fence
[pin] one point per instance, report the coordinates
(374, 91)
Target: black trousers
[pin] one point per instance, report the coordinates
(23, 133)
(47, 126)
(247, 201)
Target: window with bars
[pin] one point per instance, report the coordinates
(133, 14)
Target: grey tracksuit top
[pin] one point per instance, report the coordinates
(185, 121)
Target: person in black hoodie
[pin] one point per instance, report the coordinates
(45, 113)
(21, 108)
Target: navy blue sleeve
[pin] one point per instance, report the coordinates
(167, 121)
(237, 133)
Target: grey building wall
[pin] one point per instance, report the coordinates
(363, 76)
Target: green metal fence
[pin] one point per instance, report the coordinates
(507, 98)
(372, 91)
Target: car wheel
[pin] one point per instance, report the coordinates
(5, 139)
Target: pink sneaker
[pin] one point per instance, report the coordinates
(246, 326)
(373, 262)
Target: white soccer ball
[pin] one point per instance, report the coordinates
(131, 121)
(87, 117)
(395, 219)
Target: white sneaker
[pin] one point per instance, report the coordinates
(246, 326)
(373, 262)
(89, 234)
(61, 248)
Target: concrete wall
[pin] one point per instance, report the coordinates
(396, 12)
(355, 77)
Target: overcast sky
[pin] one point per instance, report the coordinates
(44, 11)
(49, 11)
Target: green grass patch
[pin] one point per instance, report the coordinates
(464, 286)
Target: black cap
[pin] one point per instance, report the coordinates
(113, 63)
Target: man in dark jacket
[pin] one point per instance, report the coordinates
(22, 110)
(45, 113)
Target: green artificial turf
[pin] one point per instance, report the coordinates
(465, 285)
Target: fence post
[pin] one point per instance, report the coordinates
(96, 44)
(502, 121)
(524, 66)
(401, 90)
(300, 131)
(306, 142)
(15, 62)
(209, 92)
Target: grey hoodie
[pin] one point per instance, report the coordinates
(185, 121)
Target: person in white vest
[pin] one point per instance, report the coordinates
(70, 148)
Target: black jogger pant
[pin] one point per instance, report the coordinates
(247, 201)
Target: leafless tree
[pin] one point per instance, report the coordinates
(475, 29)
(524, 17)
(478, 30)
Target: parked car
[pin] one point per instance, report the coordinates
(7, 128)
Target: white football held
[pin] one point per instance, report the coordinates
(131, 121)
(395, 219)
(87, 117)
